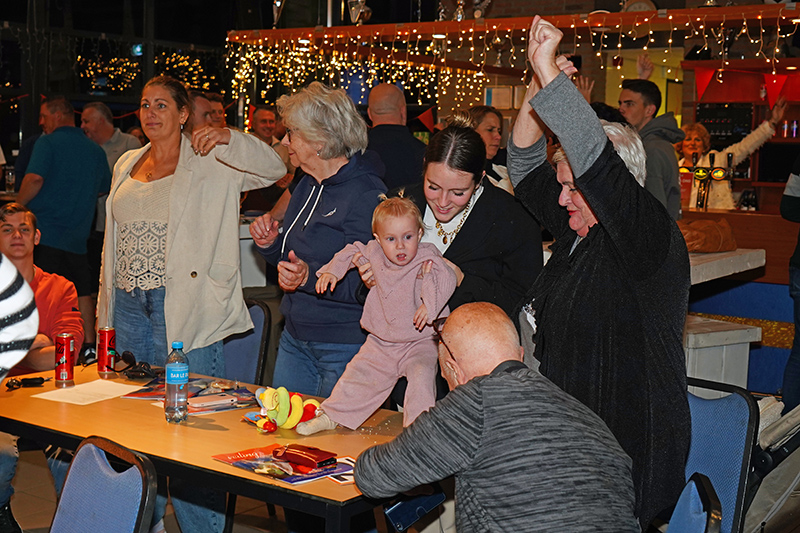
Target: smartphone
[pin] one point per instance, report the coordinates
(408, 509)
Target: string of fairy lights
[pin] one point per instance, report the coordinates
(259, 62)
(111, 65)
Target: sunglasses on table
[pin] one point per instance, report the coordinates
(132, 370)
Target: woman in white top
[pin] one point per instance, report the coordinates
(171, 255)
(698, 141)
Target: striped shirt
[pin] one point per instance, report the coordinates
(526, 457)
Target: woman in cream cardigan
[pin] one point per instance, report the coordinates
(171, 255)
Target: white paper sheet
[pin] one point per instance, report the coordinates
(86, 393)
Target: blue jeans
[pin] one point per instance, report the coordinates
(791, 375)
(310, 367)
(141, 328)
(57, 459)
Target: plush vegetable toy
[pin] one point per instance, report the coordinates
(284, 409)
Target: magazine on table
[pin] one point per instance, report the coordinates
(261, 461)
(203, 398)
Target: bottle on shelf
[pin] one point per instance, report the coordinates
(177, 390)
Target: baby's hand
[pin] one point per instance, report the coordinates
(421, 317)
(325, 280)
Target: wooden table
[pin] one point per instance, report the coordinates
(185, 450)
(705, 267)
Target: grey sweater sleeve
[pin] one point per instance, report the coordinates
(440, 443)
(522, 160)
(569, 115)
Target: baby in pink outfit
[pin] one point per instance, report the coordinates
(413, 284)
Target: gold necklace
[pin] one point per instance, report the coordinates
(445, 234)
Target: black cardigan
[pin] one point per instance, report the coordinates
(499, 249)
(610, 319)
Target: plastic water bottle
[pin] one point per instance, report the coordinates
(177, 370)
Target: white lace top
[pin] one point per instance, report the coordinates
(141, 211)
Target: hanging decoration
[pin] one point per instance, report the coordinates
(453, 61)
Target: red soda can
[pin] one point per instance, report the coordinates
(65, 359)
(106, 352)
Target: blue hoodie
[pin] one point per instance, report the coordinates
(320, 220)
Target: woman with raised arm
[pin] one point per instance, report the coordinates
(605, 318)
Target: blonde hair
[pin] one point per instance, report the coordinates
(396, 207)
(701, 132)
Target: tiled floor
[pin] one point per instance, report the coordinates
(34, 503)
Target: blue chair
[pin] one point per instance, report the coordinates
(723, 438)
(96, 497)
(245, 353)
(698, 509)
(246, 361)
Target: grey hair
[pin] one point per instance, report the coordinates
(321, 114)
(101, 108)
(627, 144)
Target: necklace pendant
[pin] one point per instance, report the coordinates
(444, 239)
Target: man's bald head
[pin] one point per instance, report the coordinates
(481, 336)
(387, 105)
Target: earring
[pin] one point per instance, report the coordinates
(318, 152)
(181, 126)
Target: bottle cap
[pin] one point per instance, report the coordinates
(177, 345)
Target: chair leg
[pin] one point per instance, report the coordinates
(230, 512)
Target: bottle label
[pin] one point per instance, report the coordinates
(177, 373)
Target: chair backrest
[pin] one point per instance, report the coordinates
(723, 436)
(98, 498)
(244, 352)
(698, 509)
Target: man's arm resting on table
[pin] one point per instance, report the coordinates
(42, 355)
(441, 442)
(31, 185)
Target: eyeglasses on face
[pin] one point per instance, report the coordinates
(438, 324)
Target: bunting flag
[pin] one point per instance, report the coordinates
(427, 119)
(702, 77)
(250, 110)
(774, 84)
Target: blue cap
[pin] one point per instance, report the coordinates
(177, 345)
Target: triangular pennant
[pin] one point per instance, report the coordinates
(774, 84)
(250, 110)
(427, 119)
(702, 77)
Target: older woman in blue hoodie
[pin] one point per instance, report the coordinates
(332, 206)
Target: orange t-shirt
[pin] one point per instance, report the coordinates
(57, 303)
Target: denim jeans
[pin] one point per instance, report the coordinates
(791, 375)
(141, 328)
(310, 367)
(9, 455)
(57, 460)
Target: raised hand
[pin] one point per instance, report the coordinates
(585, 86)
(644, 66)
(264, 230)
(776, 115)
(207, 137)
(543, 41)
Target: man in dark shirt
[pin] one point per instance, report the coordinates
(400, 151)
(526, 455)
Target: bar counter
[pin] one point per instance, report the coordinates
(756, 230)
